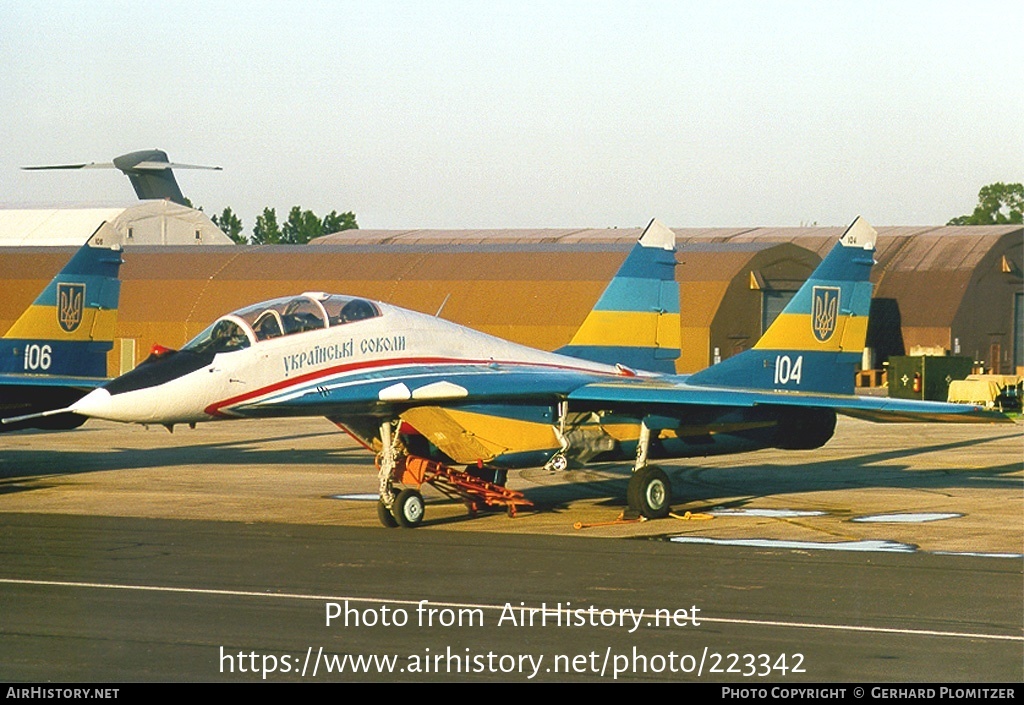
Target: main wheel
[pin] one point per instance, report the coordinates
(650, 493)
(384, 514)
(408, 508)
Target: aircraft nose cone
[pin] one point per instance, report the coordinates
(95, 404)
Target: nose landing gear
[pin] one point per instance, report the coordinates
(406, 507)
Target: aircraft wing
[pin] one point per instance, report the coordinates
(667, 394)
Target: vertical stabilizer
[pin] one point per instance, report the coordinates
(636, 321)
(69, 328)
(816, 342)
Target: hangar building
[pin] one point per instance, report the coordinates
(142, 223)
(949, 287)
(952, 289)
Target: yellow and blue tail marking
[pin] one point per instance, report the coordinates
(635, 323)
(816, 342)
(69, 328)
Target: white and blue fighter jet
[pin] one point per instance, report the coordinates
(610, 395)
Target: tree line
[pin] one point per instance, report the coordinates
(300, 227)
(998, 204)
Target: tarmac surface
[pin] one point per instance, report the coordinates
(894, 553)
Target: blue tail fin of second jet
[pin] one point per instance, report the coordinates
(69, 328)
(635, 323)
(816, 342)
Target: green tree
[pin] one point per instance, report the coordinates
(266, 231)
(231, 225)
(998, 204)
(301, 227)
(335, 222)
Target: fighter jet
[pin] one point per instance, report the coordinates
(56, 351)
(409, 385)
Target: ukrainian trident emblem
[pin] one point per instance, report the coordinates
(70, 304)
(825, 312)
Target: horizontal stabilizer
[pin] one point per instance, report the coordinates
(89, 165)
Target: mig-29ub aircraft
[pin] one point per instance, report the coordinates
(610, 395)
(56, 352)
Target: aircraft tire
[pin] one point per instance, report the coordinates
(650, 492)
(384, 514)
(408, 508)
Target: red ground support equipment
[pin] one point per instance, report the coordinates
(475, 492)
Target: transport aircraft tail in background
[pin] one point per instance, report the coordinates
(149, 170)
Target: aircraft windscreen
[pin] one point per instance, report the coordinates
(225, 335)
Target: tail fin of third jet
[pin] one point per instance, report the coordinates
(635, 323)
(816, 342)
(69, 328)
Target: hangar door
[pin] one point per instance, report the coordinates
(772, 303)
(1018, 331)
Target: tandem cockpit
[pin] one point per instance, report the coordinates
(278, 318)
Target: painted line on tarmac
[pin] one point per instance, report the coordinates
(910, 518)
(495, 608)
(874, 545)
(869, 545)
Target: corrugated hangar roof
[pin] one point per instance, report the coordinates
(145, 222)
(52, 226)
(508, 236)
(911, 247)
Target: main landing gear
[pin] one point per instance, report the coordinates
(405, 508)
(649, 492)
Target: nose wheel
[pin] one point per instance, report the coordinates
(385, 516)
(408, 508)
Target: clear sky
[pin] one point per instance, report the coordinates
(491, 114)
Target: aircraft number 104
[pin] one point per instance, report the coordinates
(38, 357)
(787, 369)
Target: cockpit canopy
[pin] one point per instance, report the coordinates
(278, 317)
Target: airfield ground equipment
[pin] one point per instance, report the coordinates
(472, 488)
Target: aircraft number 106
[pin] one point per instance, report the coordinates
(38, 357)
(787, 369)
